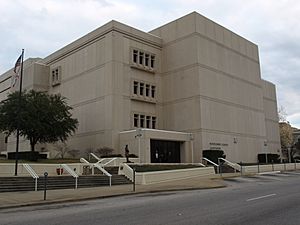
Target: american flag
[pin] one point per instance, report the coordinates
(18, 65)
(16, 75)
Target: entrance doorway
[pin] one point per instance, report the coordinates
(165, 151)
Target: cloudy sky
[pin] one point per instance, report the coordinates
(43, 26)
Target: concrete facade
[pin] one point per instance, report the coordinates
(190, 76)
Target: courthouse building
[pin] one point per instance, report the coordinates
(187, 86)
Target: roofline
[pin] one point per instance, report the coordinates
(99, 33)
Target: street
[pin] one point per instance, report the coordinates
(258, 200)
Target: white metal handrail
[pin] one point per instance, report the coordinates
(71, 172)
(200, 164)
(233, 165)
(211, 162)
(96, 157)
(110, 161)
(129, 170)
(97, 165)
(83, 160)
(32, 173)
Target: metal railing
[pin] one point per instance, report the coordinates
(72, 173)
(97, 165)
(83, 160)
(235, 166)
(96, 157)
(110, 161)
(32, 173)
(209, 161)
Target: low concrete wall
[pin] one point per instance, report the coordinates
(8, 169)
(270, 168)
(165, 175)
(119, 161)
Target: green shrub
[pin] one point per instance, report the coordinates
(112, 156)
(29, 155)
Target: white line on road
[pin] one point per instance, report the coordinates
(265, 196)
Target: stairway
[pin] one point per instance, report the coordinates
(112, 169)
(12, 184)
(109, 169)
(227, 169)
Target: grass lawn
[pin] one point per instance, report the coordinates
(150, 168)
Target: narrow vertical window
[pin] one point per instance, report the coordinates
(136, 120)
(56, 75)
(141, 89)
(135, 87)
(147, 58)
(135, 56)
(142, 120)
(53, 77)
(147, 90)
(148, 121)
(141, 58)
(153, 122)
(153, 91)
(152, 61)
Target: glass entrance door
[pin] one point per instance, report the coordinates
(165, 151)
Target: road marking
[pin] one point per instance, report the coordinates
(265, 196)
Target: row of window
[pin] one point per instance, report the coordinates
(143, 59)
(56, 76)
(144, 89)
(144, 121)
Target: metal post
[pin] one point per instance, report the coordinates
(18, 119)
(295, 164)
(133, 179)
(272, 165)
(258, 171)
(139, 137)
(284, 165)
(45, 184)
(241, 164)
(220, 166)
(36, 183)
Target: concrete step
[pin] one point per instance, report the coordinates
(10, 184)
(112, 169)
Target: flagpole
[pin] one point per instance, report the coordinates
(19, 110)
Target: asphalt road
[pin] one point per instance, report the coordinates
(263, 200)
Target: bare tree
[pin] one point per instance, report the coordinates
(62, 149)
(74, 153)
(286, 137)
(282, 114)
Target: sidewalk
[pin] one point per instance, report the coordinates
(18, 199)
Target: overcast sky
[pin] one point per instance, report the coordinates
(44, 26)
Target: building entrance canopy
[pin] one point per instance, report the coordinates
(158, 146)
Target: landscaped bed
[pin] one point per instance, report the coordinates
(151, 168)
